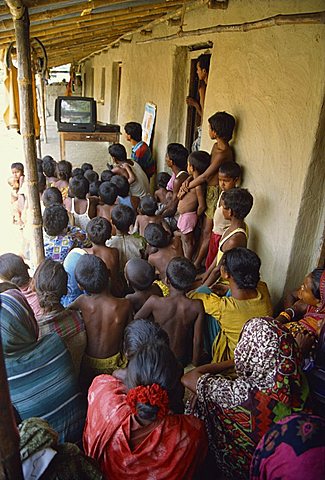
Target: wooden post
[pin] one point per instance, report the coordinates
(21, 22)
(43, 106)
(10, 464)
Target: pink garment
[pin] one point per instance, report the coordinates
(170, 184)
(32, 300)
(187, 222)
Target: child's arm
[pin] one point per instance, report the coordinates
(130, 174)
(189, 380)
(146, 310)
(136, 228)
(92, 209)
(201, 200)
(77, 303)
(198, 336)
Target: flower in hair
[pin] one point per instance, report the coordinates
(154, 395)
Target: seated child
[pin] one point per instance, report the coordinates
(236, 205)
(91, 176)
(59, 239)
(49, 170)
(63, 173)
(99, 230)
(162, 247)
(81, 207)
(140, 276)
(123, 192)
(138, 181)
(77, 172)
(107, 198)
(94, 189)
(86, 166)
(161, 194)
(51, 196)
(14, 269)
(192, 204)
(229, 175)
(147, 214)
(129, 246)
(105, 318)
(106, 175)
(181, 318)
(141, 153)
(17, 197)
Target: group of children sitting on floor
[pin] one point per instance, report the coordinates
(177, 257)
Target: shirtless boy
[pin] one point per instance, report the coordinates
(192, 205)
(161, 248)
(105, 318)
(221, 127)
(140, 276)
(107, 196)
(147, 214)
(178, 315)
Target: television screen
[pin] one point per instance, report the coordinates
(75, 113)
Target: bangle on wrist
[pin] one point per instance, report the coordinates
(291, 311)
(286, 315)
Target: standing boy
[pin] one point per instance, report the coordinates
(141, 152)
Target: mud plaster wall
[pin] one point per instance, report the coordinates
(272, 81)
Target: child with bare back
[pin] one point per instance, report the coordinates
(178, 315)
(99, 230)
(107, 198)
(161, 194)
(140, 275)
(221, 127)
(147, 214)
(105, 319)
(192, 204)
(162, 247)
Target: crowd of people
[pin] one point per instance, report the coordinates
(146, 345)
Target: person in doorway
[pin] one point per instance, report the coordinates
(202, 70)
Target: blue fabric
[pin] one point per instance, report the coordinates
(69, 265)
(211, 324)
(125, 201)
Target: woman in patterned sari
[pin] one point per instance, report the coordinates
(237, 412)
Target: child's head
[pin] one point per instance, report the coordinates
(243, 265)
(237, 203)
(106, 175)
(148, 205)
(14, 269)
(91, 175)
(86, 166)
(123, 217)
(133, 131)
(94, 188)
(51, 196)
(198, 162)
(156, 235)
(122, 185)
(141, 332)
(50, 281)
(55, 220)
(91, 274)
(162, 179)
(49, 166)
(177, 155)
(117, 152)
(77, 172)
(108, 193)
(17, 170)
(229, 174)
(78, 187)
(63, 170)
(41, 182)
(180, 273)
(99, 230)
(222, 125)
(139, 274)
(152, 367)
(203, 66)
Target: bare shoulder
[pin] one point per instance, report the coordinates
(196, 304)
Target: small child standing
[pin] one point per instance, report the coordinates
(192, 204)
(229, 175)
(162, 248)
(140, 275)
(236, 205)
(105, 319)
(129, 246)
(147, 214)
(17, 197)
(178, 315)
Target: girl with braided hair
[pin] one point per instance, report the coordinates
(131, 429)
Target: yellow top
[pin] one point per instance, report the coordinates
(232, 314)
(226, 237)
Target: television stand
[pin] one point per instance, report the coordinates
(97, 136)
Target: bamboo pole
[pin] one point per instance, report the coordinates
(10, 464)
(21, 22)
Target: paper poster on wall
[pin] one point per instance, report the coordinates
(148, 122)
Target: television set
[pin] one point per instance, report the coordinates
(75, 114)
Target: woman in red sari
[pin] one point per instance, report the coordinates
(130, 428)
